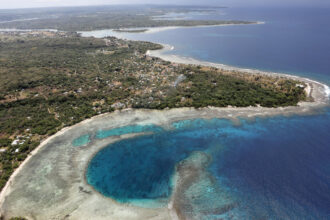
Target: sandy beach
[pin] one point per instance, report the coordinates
(320, 97)
(51, 184)
(150, 30)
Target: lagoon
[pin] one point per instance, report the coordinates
(203, 164)
(273, 168)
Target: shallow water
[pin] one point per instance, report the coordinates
(81, 141)
(273, 168)
(269, 168)
(128, 130)
(293, 40)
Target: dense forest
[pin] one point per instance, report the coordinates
(49, 80)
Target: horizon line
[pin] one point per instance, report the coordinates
(123, 4)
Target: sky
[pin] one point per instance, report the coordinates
(49, 3)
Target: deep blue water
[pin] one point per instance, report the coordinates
(293, 40)
(140, 168)
(274, 168)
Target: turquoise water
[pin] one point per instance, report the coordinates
(81, 141)
(127, 130)
(268, 168)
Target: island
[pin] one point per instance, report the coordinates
(56, 86)
(105, 17)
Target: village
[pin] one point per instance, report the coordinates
(51, 79)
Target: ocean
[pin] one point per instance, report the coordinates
(292, 40)
(268, 168)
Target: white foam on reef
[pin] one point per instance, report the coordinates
(68, 192)
(320, 91)
(327, 90)
(321, 95)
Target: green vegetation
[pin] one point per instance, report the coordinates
(95, 18)
(213, 89)
(49, 80)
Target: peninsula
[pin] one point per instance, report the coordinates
(57, 85)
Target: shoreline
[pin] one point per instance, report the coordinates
(35, 151)
(43, 156)
(317, 90)
(321, 97)
(128, 30)
(148, 30)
